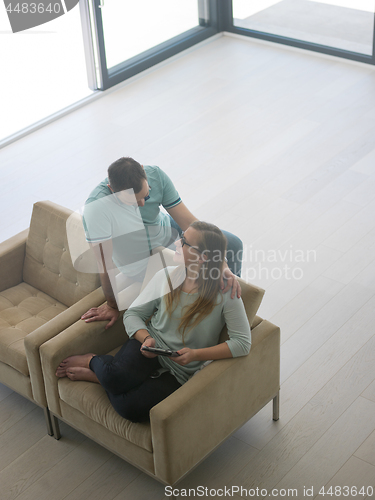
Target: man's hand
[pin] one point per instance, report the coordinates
(149, 342)
(187, 355)
(102, 313)
(232, 283)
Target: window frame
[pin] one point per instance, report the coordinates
(227, 13)
(100, 77)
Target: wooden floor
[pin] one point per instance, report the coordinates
(277, 146)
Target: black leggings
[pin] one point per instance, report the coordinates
(126, 380)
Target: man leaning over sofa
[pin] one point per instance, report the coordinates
(123, 223)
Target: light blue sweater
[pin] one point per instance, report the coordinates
(164, 328)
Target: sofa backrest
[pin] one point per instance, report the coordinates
(48, 265)
(252, 297)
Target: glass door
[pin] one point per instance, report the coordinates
(337, 27)
(130, 36)
(131, 28)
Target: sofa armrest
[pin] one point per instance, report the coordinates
(213, 404)
(59, 323)
(79, 338)
(12, 256)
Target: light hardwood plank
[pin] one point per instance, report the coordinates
(328, 221)
(334, 448)
(312, 376)
(49, 477)
(354, 473)
(4, 392)
(253, 204)
(24, 434)
(31, 466)
(318, 151)
(325, 174)
(285, 289)
(344, 81)
(366, 165)
(217, 470)
(335, 191)
(106, 482)
(363, 194)
(308, 226)
(366, 277)
(268, 217)
(369, 392)
(294, 440)
(305, 305)
(356, 228)
(352, 263)
(12, 409)
(327, 321)
(366, 451)
(142, 487)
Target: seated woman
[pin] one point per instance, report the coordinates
(187, 319)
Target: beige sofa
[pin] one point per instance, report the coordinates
(212, 405)
(41, 294)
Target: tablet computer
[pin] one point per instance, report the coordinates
(161, 352)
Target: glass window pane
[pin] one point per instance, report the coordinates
(44, 70)
(342, 24)
(132, 27)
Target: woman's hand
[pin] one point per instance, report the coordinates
(149, 342)
(187, 355)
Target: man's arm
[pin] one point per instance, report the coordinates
(182, 215)
(103, 252)
(109, 311)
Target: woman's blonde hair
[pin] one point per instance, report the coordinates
(212, 247)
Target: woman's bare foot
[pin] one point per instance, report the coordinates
(80, 373)
(82, 361)
(61, 371)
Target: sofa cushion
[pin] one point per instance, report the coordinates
(92, 400)
(48, 265)
(23, 309)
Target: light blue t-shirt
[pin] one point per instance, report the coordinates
(134, 230)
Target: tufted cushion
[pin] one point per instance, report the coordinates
(23, 309)
(92, 400)
(48, 265)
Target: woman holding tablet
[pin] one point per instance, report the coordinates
(186, 320)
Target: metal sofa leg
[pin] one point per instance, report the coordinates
(47, 416)
(55, 427)
(276, 404)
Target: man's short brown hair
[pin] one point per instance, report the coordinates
(126, 173)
